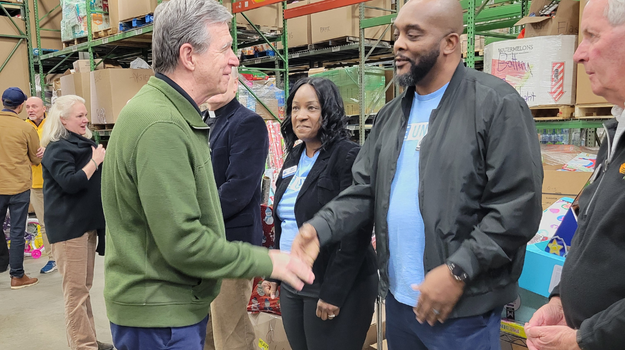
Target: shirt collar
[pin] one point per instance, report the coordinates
(9, 110)
(180, 90)
(618, 113)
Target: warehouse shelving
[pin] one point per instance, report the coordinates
(480, 17)
(11, 9)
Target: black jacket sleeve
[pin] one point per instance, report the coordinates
(352, 209)
(62, 166)
(512, 195)
(604, 331)
(246, 165)
(343, 270)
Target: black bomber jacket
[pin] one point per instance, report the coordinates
(480, 179)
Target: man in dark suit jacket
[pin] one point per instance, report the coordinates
(239, 146)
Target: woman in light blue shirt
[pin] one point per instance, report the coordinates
(335, 311)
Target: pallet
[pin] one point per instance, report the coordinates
(594, 111)
(74, 42)
(263, 29)
(478, 53)
(104, 33)
(136, 22)
(546, 113)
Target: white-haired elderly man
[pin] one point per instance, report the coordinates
(166, 245)
(587, 310)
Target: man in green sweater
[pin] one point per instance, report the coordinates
(166, 246)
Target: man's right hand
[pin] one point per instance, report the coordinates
(550, 314)
(290, 269)
(306, 244)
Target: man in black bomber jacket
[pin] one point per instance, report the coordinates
(587, 309)
(478, 185)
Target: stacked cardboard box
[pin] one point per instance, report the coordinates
(347, 81)
(344, 21)
(16, 70)
(77, 84)
(111, 89)
(49, 39)
(564, 22)
(541, 69)
(129, 9)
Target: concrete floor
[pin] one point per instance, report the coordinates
(32, 318)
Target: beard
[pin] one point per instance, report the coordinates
(419, 70)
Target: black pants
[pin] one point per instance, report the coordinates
(347, 331)
(18, 207)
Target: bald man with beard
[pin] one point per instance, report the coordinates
(451, 176)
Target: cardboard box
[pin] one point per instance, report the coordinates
(563, 183)
(548, 199)
(111, 89)
(16, 72)
(266, 16)
(344, 21)
(299, 27)
(541, 69)
(584, 94)
(565, 22)
(78, 84)
(82, 66)
(269, 331)
(371, 338)
(584, 90)
(49, 40)
(129, 9)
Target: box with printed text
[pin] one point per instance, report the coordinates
(541, 69)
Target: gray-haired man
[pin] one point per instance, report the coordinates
(587, 309)
(166, 245)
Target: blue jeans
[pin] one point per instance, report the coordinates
(18, 209)
(404, 332)
(170, 338)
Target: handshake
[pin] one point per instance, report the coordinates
(296, 268)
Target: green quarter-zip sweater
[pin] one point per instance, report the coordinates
(166, 250)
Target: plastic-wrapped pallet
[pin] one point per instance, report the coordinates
(267, 92)
(347, 81)
(74, 20)
(541, 69)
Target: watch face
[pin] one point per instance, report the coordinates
(457, 272)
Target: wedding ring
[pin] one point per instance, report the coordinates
(331, 316)
(436, 312)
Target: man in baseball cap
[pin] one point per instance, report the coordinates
(19, 144)
(13, 97)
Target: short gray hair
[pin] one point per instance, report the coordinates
(178, 22)
(615, 12)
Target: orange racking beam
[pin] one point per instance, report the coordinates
(320, 6)
(245, 5)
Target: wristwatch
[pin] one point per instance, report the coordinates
(457, 272)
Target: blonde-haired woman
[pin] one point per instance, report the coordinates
(73, 211)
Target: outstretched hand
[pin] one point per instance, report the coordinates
(306, 244)
(290, 269)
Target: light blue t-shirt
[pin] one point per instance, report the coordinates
(286, 207)
(405, 225)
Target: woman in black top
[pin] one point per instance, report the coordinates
(335, 311)
(73, 211)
